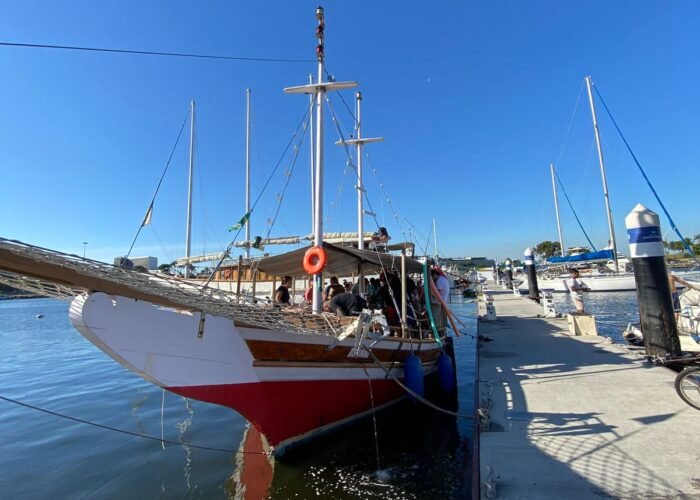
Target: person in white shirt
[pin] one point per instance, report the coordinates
(442, 285)
(575, 287)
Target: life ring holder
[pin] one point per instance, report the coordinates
(314, 260)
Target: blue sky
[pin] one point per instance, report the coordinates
(474, 100)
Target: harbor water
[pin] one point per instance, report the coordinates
(612, 310)
(45, 363)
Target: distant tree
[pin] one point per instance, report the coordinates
(164, 268)
(676, 246)
(547, 249)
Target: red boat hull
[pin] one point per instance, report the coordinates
(288, 410)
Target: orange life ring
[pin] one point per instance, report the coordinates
(226, 274)
(314, 260)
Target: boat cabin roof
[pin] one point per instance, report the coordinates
(340, 261)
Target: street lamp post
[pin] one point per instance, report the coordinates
(84, 246)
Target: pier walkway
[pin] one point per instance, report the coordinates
(578, 417)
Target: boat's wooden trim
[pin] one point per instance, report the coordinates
(352, 363)
(263, 350)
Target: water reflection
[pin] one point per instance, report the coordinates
(612, 310)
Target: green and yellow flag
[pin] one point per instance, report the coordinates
(240, 223)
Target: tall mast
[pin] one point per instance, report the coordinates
(188, 237)
(360, 188)
(311, 153)
(247, 170)
(556, 210)
(319, 89)
(359, 141)
(611, 227)
(435, 237)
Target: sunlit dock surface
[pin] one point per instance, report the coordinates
(578, 417)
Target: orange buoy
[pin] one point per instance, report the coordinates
(314, 260)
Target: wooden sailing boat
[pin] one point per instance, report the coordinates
(290, 372)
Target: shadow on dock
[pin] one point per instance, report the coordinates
(579, 418)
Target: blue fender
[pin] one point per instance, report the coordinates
(413, 374)
(446, 373)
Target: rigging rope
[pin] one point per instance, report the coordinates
(267, 182)
(349, 163)
(153, 53)
(124, 431)
(386, 195)
(574, 211)
(639, 166)
(150, 206)
(571, 122)
(374, 171)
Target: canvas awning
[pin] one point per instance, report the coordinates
(341, 261)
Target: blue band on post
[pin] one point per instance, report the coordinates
(648, 234)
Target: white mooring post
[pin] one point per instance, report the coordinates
(490, 307)
(548, 304)
(656, 313)
(533, 290)
(509, 274)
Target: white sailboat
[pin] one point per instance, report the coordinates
(610, 278)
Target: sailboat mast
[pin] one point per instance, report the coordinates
(556, 210)
(611, 227)
(319, 89)
(318, 188)
(435, 237)
(360, 187)
(188, 236)
(358, 142)
(247, 170)
(311, 152)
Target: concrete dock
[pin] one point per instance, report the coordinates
(577, 417)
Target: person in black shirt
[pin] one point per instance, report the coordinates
(282, 293)
(343, 304)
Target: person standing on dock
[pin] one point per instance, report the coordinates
(575, 287)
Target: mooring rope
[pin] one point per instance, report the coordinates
(416, 395)
(374, 417)
(124, 431)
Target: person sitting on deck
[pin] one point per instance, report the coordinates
(282, 296)
(343, 304)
